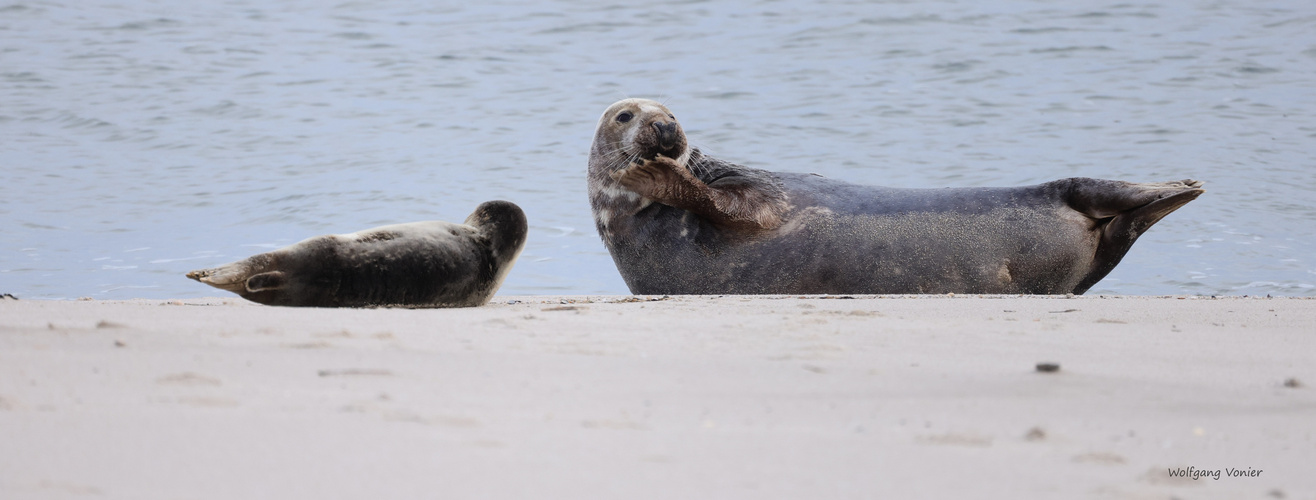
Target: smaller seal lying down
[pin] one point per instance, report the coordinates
(421, 264)
(677, 221)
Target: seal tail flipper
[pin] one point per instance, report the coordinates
(237, 277)
(272, 280)
(1123, 211)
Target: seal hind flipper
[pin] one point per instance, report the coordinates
(272, 280)
(1123, 211)
(219, 277)
(232, 277)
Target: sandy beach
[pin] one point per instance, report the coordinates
(652, 397)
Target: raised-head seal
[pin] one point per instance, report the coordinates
(679, 222)
(421, 264)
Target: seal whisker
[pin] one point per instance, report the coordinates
(698, 168)
(618, 153)
(622, 159)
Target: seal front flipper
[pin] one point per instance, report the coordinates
(734, 201)
(1123, 211)
(750, 199)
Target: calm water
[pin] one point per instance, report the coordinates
(142, 139)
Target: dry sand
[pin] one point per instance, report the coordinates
(685, 397)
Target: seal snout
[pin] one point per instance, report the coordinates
(668, 135)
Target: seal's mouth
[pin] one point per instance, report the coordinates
(670, 152)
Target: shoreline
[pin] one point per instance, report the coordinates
(661, 397)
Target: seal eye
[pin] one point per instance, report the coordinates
(625, 116)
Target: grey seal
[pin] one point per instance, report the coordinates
(677, 221)
(419, 264)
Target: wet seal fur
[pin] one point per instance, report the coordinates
(677, 221)
(420, 264)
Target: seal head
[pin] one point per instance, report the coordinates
(633, 129)
(640, 156)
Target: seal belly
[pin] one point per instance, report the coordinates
(426, 269)
(842, 238)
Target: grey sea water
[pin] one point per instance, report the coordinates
(142, 139)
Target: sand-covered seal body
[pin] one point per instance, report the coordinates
(679, 222)
(420, 264)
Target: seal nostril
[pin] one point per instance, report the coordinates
(667, 135)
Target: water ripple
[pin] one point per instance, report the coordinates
(196, 134)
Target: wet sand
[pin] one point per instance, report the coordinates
(647, 397)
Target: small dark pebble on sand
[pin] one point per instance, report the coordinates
(1292, 383)
(1048, 367)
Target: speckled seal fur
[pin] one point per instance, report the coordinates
(677, 221)
(421, 264)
